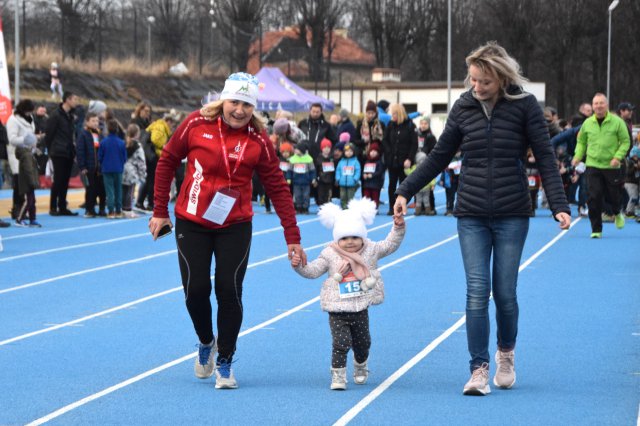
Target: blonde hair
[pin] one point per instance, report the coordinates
(493, 59)
(399, 109)
(213, 110)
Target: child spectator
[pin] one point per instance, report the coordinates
(348, 175)
(56, 84)
(338, 152)
(21, 136)
(303, 175)
(423, 203)
(87, 145)
(286, 151)
(373, 173)
(112, 155)
(135, 169)
(449, 181)
(326, 170)
(632, 181)
(353, 282)
(533, 176)
(564, 166)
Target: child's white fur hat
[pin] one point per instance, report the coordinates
(350, 222)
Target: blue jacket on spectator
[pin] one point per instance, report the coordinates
(112, 154)
(347, 180)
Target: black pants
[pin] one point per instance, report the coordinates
(602, 183)
(94, 191)
(61, 173)
(396, 177)
(28, 207)
(145, 192)
(324, 192)
(349, 330)
(196, 247)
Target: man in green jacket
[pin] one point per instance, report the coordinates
(605, 140)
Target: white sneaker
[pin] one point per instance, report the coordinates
(224, 376)
(338, 378)
(360, 372)
(506, 373)
(478, 384)
(204, 361)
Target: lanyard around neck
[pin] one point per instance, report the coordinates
(224, 152)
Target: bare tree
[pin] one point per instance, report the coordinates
(173, 21)
(317, 20)
(239, 21)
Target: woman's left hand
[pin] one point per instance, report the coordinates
(564, 219)
(407, 164)
(297, 250)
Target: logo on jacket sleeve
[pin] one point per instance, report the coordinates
(194, 192)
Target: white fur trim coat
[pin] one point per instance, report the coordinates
(329, 261)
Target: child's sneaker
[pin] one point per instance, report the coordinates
(34, 224)
(506, 373)
(338, 378)
(360, 372)
(111, 216)
(478, 384)
(204, 361)
(22, 223)
(619, 221)
(224, 375)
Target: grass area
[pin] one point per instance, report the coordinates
(42, 56)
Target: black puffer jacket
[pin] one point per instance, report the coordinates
(493, 181)
(59, 134)
(400, 143)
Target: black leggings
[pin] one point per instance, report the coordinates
(196, 247)
(349, 330)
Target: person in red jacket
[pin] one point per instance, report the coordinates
(224, 143)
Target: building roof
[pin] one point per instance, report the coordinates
(285, 48)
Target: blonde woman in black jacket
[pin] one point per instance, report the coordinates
(492, 124)
(400, 145)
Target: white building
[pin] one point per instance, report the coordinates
(429, 98)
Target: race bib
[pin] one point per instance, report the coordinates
(285, 166)
(350, 286)
(328, 167)
(348, 170)
(532, 182)
(420, 142)
(300, 168)
(369, 167)
(221, 205)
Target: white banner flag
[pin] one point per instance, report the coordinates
(5, 91)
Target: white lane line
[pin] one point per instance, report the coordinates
(73, 229)
(72, 247)
(113, 240)
(151, 372)
(85, 271)
(148, 298)
(364, 402)
(115, 265)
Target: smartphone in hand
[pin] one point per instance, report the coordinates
(164, 231)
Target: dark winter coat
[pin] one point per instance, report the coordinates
(493, 181)
(87, 155)
(59, 134)
(426, 141)
(400, 143)
(315, 131)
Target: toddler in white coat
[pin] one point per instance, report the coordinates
(353, 283)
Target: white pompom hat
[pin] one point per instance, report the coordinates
(241, 86)
(351, 222)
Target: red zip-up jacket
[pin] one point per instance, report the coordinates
(198, 139)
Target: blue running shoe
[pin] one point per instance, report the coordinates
(34, 224)
(224, 375)
(204, 361)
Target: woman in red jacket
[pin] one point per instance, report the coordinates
(224, 143)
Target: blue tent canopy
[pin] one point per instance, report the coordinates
(281, 93)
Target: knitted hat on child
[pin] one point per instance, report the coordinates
(350, 222)
(302, 147)
(326, 143)
(345, 137)
(286, 146)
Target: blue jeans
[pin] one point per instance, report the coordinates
(113, 190)
(480, 237)
(301, 196)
